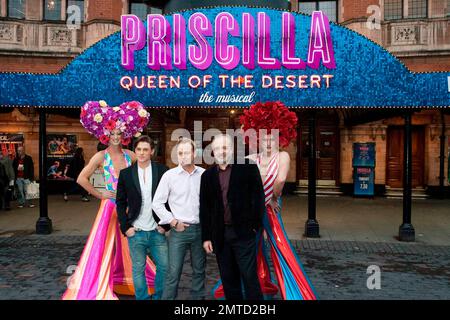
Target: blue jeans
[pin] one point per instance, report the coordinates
(179, 243)
(153, 244)
(22, 188)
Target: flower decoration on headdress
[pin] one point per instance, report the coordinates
(270, 115)
(100, 120)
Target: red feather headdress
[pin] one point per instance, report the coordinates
(270, 115)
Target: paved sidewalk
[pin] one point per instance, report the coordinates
(35, 267)
(356, 234)
(340, 218)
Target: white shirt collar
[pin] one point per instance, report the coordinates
(181, 170)
(149, 166)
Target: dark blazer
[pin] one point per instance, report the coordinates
(28, 167)
(129, 194)
(245, 198)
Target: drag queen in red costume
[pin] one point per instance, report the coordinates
(104, 268)
(274, 126)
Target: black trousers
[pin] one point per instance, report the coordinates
(237, 261)
(5, 197)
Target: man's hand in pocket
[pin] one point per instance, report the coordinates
(160, 229)
(130, 232)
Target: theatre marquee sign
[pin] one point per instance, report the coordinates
(168, 50)
(231, 57)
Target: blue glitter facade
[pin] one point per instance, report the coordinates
(366, 75)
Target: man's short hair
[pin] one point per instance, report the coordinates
(183, 140)
(146, 139)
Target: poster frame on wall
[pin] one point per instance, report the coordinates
(60, 151)
(9, 142)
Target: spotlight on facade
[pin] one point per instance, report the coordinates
(51, 5)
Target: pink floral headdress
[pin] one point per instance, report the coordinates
(100, 120)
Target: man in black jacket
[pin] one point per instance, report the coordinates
(231, 210)
(135, 190)
(24, 172)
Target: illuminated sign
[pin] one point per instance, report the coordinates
(231, 57)
(167, 42)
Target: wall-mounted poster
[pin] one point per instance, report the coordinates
(9, 142)
(61, 144)
(60, 151)
(364, 154)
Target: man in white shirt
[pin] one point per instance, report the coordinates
(180, 187)
(135, 189)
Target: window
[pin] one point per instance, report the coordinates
(393, 9)
(417, 9)
(16, 9)
(307, 7)
(327, 7)
(79, 4)
(52, 10)
(142, 8)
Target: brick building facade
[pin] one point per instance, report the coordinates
(39, 37)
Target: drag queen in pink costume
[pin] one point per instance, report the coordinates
(105, 264)
(274, 126)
